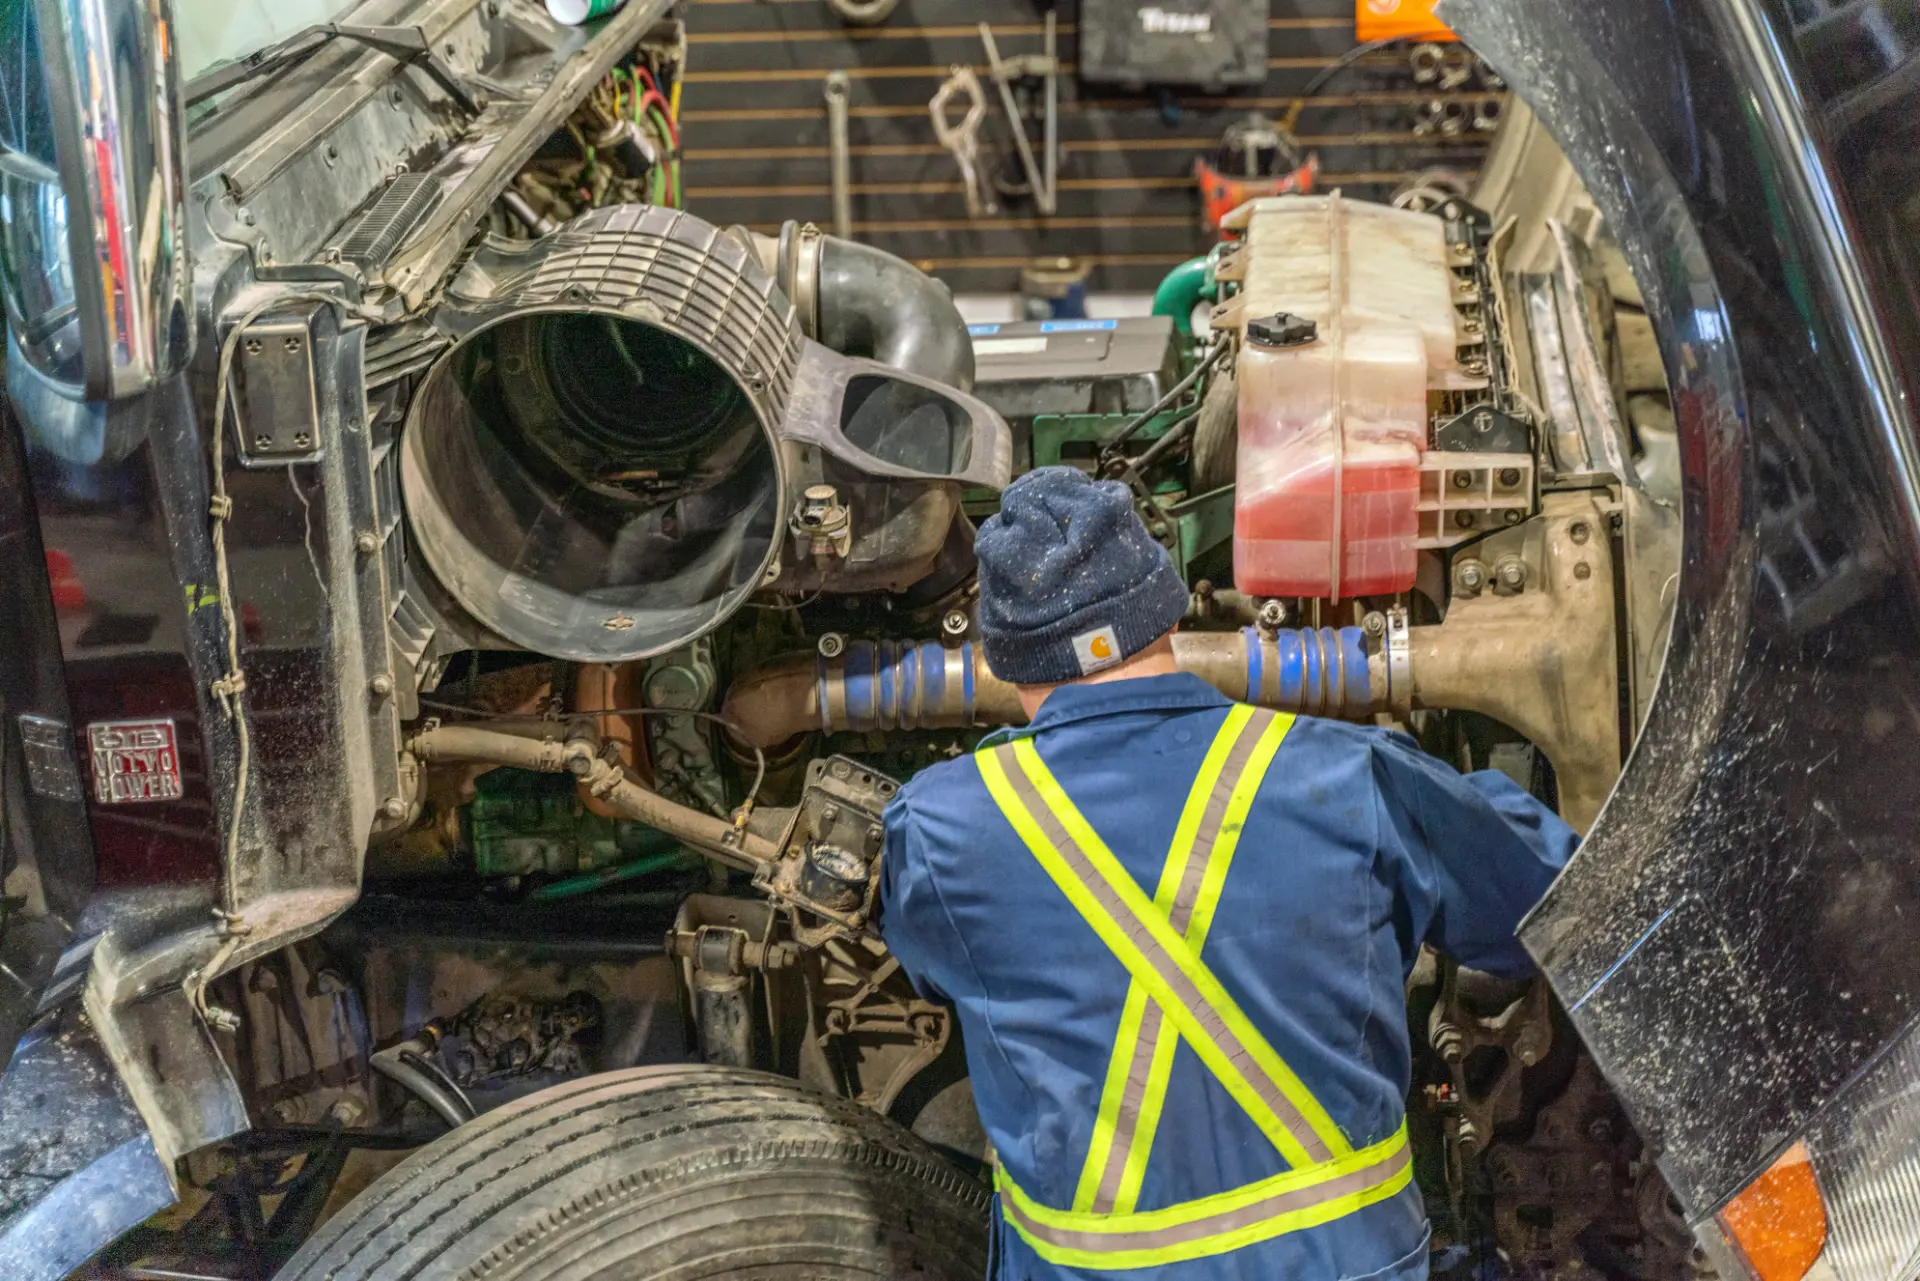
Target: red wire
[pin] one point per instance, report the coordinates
(666, 114)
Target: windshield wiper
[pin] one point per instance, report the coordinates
(404, 44)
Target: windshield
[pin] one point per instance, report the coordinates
(217, 31)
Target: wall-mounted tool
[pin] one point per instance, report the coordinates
(963, 138)
(1255, 158)
(837, 89)
(1045, 66)
(863, 13)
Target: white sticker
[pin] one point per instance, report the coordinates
(1008, 346)
(1096, 650)
(1159, 22)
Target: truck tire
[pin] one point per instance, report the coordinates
(662, 1174)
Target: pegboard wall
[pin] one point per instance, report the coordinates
(755, 131)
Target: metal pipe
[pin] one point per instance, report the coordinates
(536, 222)
(579, 754)
(883, 685)
(872, 685)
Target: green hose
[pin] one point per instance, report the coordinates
(591, 881)
(1181, 292)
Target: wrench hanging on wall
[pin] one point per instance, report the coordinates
(838, 87)
(963, 138)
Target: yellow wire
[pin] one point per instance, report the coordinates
(673, 102)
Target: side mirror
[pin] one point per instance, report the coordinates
(93, 241)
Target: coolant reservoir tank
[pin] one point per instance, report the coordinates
(1347, 320)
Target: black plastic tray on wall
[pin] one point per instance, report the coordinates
(755, 127)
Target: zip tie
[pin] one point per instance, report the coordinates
(220, 507)
(229, 685)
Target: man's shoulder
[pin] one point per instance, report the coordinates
(939, 785)
(1322, 734)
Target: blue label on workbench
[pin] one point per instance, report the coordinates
(983, 331)
(1076, 326)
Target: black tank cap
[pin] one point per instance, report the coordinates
(1282, 329)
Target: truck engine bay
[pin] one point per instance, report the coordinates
(594, 574)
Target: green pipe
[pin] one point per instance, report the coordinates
(590, 881)
(1181, 292)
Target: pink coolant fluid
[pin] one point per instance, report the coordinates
(1328, 473)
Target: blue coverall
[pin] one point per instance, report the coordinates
(1357, 848)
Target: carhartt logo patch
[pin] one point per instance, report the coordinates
(1096, 649)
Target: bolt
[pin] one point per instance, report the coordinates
(841, 769)
(1509, 476)
(1513, 516)
(1483, 422)
(1463, 520)
(1463, 480)
(1579, 532)
(1583, 571)
(366, 544)
(286, 1111)
(346, 1112)
(1512, 574)
(956, 623)
(1470, 576)
(832, 644)
(1272, 615)
(1374, 623)
(394, 807)
(381, 685)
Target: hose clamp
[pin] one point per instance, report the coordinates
(800, 244)
(1399, 660)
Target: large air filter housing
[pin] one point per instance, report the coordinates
(592, 471)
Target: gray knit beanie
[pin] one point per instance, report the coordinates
(1070, 580)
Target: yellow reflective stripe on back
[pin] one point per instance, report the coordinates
(1219, 860)
(1137, 1016)
(1112, 1094)
(1205, 986)
(1160, 1070)
(1286, 1202)
(1226, 1041)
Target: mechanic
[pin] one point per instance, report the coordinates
(1177, 929)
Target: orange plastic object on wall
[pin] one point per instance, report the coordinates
(1398, 19)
